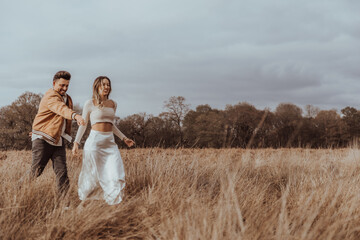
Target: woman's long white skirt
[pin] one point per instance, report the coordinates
(102, 165)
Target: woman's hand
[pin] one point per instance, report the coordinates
(75, 148)
(129, 142)
(79, 120)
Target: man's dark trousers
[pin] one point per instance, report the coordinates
(41, 153)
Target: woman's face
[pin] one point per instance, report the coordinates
(104, 88)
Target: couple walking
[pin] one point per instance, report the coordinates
(102, 164)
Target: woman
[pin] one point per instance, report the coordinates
(102, 163)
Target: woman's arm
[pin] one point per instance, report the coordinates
(119, 134)
(86, 115)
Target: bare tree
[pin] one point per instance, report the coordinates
(176, 111)
(311, 111)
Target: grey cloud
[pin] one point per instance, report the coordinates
(210, 51)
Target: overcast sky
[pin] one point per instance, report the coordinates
(214, 52)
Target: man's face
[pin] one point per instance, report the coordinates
(61, 86)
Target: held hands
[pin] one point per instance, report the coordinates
(129, 142)
(79, 120)
(75, 148)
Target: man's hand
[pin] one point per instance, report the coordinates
(30, 134)
(129, 142)
(79, 120)
(75, 148)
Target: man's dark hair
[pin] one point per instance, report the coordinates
(62, 74)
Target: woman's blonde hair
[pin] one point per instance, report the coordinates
(96, 96)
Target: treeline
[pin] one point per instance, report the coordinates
(240, 125)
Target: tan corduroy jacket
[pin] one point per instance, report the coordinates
(49, 120)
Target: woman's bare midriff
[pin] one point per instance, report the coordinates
(102, 127)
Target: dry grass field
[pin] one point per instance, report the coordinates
(193, 194)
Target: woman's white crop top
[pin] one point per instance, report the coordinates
(96, 114)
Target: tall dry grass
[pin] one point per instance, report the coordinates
(193, 194)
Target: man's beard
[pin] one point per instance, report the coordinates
(62, 93)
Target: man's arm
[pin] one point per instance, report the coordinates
(58, 106)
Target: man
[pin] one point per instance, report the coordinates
(52, 124)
